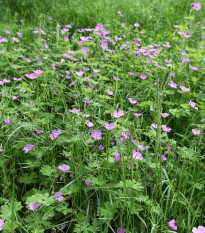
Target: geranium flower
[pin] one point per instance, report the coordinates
(89, 124)
(133, 101)
(58, 196)
(97, 135)
(154, 126)
(143, 76)
(126, 134)
(7, 122)
(165, 129)
(117, 114)
(1, 224)
(74, 110)
(200, 229)
(64, 168)
(137, 115)
(141, 147)
(101, 147)
(193, 105)
(117, 156)
(39, 132)
(32, 76)
(185, 89)
(136, 25)
(172, 225)
(165, 114)
(34, 205)
(163, 157)
(28, 147)
(120, 14)
(196, 132)
(88, 183)
(196, 6)
(172, 84)
(185, 59)
(110, 126)
(137, 155)
(121, 230)
(194, 68)
(55, 134)
(80, 73)
(109, 92)
(96, 71)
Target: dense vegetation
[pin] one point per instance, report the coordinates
(102, 116)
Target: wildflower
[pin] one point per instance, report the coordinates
(133, 101)
(74, 110)
(185, 89)
(15, 39)
(58, 196)
(137, 115)
(184, 59)
(136, 25)
(64, 168)
(89, 124)
(126, 134)
(141, 147)
(165, 129)
(137, 155)
(88, 183)
(87, 101)
(80, 73)
(7, 122)
(28, 147)
(143, 76)
(117, 156)
(172, 84)
(196, 6)
(101, 147)
(38, 131)
(96, 134)
(55, 134)
(117, 114)
(194, 68)
(110, 126)
(1, 224)
(154, 126)
(96, 71)
(120, 14)
(63, 226)
(193, 105)
(196, 132)
(165, 114)
(163, 157)
(172, 225)
(121, 230)
(200, 229)
(32, 76)
(34, 205)
(169, 149)
(109, 92)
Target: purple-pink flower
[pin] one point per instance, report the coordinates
(172, 225)
(7, 122)
(137, 115)
(110, 126)
(117, 114)
(101, 147)
(126, 134)
(133, 101)
(137, 155)
(74, 110)
(109, 92)
(34, 205)
(121, 230)
(89, 124)
(97, 135)
(200, 229)
(141, 147)
(64, 168)
(88, 183)
(58, 196)
(154, 126)
(55, 134)
(196, 132)
(1, 224)
(166, 129)
(172, 84)
(28, 147)
(196, 6)
(185, 89)
(193, 105)
(163, 157)
(143, 76)
(165, 114)
(117, 156)
(39, 132)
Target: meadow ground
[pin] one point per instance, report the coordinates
(102, 116)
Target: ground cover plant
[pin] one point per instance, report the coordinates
(102, 121)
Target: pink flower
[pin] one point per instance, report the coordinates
(200, 229)
(196, 6)
(74, 110)
(172, 84)
(184, 59)
(185, 89)
(38, 131)
(137, 155)
(110, 126)
(28, 147)
(97, 135)
(126, 134)
(120, 14)
(143, 76)
(109, 92)
(165, 129)
(89, 124)
(163, 158)
(172, 225)
(1, 224)
(133, 101)
(196, 132)
(38, 71)
(58, 196)
(32, 76)
(137, 115)
(136, 25)
(117, 114)
(64, 168)
(55, 134)
(7, 122)
(101, 147)
(34, 205)
(117, 156)
(193, 105)
(88, 183)
(80, 73)
(194, 68)
(121, 230)
(96, 71)
(165, 114)
(154, 126)
(141, 147)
